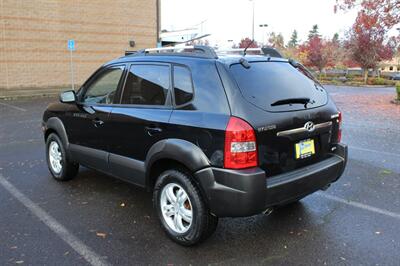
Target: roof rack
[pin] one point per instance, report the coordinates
(267, 51)
(127, 52)
(196, 50)
(203, 51)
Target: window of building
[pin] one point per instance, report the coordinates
(147, 85)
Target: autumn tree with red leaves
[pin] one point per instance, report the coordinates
(387, 12)
(246, 42)
(317, 53)
(368, 43)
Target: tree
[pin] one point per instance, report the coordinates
(368, 44)
(246, 42)
(387, 12)
(276, 40)
(317, 53)
(335, 38)
(293, 40)
(314, 32)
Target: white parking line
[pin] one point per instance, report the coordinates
(86, 252)
(359, 205)
(13, 106)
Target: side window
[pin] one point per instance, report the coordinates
(103, 89)
(183, 85)
(147, 85)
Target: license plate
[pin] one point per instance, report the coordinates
(304, 148)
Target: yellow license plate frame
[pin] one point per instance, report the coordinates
(304, 148)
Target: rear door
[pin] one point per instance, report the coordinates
(291, 113)
(141, 118)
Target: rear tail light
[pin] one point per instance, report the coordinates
(240, 145)
(339, 138)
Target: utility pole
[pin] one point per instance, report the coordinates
(252, 32)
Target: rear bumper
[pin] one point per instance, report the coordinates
(234, 193)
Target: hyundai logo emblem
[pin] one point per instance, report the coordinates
(309, 126)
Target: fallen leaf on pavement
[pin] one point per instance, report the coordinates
(103, 235)
(385, 172)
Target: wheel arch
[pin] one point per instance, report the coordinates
(55, 125)
(173, 153)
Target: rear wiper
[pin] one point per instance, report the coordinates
(304, 101)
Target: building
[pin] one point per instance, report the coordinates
(390, 66)
(171, 38)
(34, 58)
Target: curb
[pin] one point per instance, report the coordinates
(37, 95)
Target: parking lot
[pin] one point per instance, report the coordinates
(96, 219)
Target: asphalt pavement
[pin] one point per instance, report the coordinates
(98, 220)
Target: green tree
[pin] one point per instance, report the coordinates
(314, 32)
(335, 38)
(293, 40)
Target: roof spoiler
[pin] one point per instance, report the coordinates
(271, 52)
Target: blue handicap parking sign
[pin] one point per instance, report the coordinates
(71, 45)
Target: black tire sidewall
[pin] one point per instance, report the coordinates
(193, 235)
(59, 176)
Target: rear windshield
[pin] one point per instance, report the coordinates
(270, 86)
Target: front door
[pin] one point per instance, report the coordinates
(90, 132)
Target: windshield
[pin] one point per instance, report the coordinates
(266, 83)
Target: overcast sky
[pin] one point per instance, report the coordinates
(232, 19)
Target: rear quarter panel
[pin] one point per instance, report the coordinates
(203, 121)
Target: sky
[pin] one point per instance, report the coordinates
(232, 19)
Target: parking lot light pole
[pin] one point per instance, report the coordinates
(252, 25)
(263, 26)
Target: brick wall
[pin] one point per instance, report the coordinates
(34, 34)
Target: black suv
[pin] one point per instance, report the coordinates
(212, 136)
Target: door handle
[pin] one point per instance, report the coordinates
(97, 122)
(152, 130)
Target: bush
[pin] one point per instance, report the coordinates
(380, 82)
(398, 91)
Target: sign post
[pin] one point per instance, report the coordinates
(71, 48)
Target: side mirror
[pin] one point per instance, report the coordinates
(68, 96)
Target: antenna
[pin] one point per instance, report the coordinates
(245, 49)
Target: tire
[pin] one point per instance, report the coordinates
(59, 166)
(202, 224)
